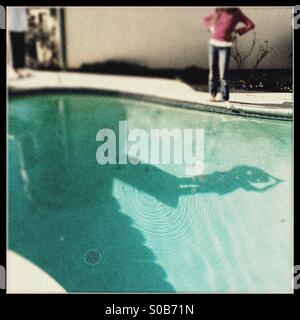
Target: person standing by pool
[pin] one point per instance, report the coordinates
(17, 26)
(222, 24)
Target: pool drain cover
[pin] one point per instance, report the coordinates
(92, 257)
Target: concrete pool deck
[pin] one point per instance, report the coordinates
(258, 104)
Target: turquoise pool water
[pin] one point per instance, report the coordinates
(126, 228)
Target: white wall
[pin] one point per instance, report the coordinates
(168, 37)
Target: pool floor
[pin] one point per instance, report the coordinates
(136, 228)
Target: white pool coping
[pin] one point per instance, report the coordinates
(25, 277)
(249, 103)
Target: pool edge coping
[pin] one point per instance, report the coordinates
(183, 104)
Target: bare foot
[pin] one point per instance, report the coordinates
(212, 99)
(25, 73)
(19, 73)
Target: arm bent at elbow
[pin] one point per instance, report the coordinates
(249, 25)
(207, 21)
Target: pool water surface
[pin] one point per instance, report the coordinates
(149, 228)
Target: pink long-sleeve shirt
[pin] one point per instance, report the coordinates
(225, 22)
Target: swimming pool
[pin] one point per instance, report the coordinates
(127, 228)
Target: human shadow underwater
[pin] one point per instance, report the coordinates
(61, 201)
(167, 188)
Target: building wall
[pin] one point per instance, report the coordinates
(167, 37)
